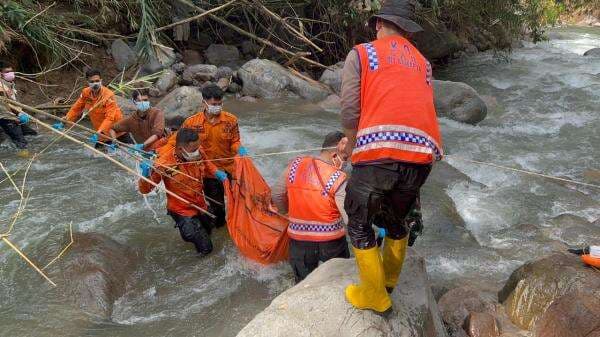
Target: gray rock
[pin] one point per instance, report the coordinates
(317, 306)
(192, 57)
(127, 106)
(332, 103)
(234, 88)
(178, 67)
(183, 101)
(200, 72)
(536, 285)
(123, 55)
(250, 48)
(459, 101)
(248, 99)
(333, 77)
(223, 55)
(94, 273)
(437, 42)
(592, 52)
(154, 92)
(166, 81)
(224, 72)
(267, 79)
(223, 83)
(456, 304)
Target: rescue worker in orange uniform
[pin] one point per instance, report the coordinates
(186, 181)
(220, 138)
(312, 189)
(98, 102)
(172, 125)
(393, 140)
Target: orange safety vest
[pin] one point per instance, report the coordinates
(311, 188)
(397, 116)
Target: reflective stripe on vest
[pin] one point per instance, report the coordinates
(398, 120)
(313, 212)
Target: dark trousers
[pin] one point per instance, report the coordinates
(195, 230)
(305, 256)
(14, 132)
(382, 194)
(213, 189)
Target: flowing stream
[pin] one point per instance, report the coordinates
(544, 118)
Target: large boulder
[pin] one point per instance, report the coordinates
(459, 101)
(122, 54)
(223, 55)
(183, 101)
(436, 41)
(456, 305)
(94, 272)
(317, 306)
(166, 81)
(199, 72)
(572, 315)
(592, 52)
(126, 105)
(533, 287)
(573, 230)
(268, 79)
(482, 324)
(332, 103)
(333, 77)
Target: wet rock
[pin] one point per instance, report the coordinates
(573, 230)
(436, 41)
(317, 306)
(592, 52)
(199, 72)
(572, 315)
(122, 54)
(234, 88)
(192, 57)
(332, 103)
(592, 176)
(481, 324)
(267, 79)
(533, 287)
(183, 101)
(166, 81)
(459, 101)
(126, 105)
(333, 77)
(95, 272)
(223, 55)
(224, 72)
(456, 305)
(248, 99)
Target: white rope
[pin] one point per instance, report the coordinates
(524, 171)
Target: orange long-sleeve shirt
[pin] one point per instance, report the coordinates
(219, 140)
(105, 110)
(180, 184)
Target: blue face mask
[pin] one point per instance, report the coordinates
(142, 106)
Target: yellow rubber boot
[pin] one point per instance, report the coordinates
(370, 293)
(394, 252)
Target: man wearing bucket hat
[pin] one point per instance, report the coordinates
(389, 118)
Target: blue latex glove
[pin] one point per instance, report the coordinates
(221, 175)
(243, 151)
(381, 234)
(58, 126)
(93, 139)
(138, 147)
(146, 168)
(112, 148)
(24, 118)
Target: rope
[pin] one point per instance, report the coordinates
(264, 154)
(524, 171)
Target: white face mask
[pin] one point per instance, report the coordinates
(191, 156)
(213, 109)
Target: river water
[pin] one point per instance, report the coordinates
(544, 118)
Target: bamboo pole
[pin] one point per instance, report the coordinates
(114, 161)
(252, 36)
(10, 244)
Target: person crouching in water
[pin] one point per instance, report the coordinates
(185, 157)
(313, 190)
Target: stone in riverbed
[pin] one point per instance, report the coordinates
(126, 105)
(333, 77)
(482, 324)
(459, 101)
(317, 306)
(166, 81)
(199, 72)
(122, 54)
(267, 79)
(332, 103)
(575, 314)
(592, 52)
(223, 55)
(456, 305)
(183, 101)
(533, 287)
